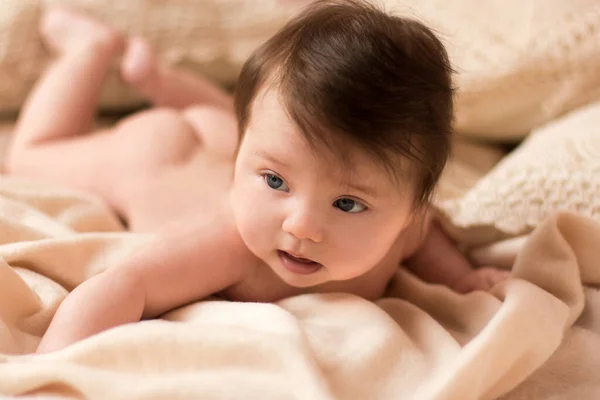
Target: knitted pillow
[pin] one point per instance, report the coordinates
(556, 168)
(520, 63)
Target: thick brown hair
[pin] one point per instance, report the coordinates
(349, 73)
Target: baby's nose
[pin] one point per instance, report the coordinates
(304, 225)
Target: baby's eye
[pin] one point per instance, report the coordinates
(275, 182)
(349, 205)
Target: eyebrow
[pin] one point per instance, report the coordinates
(368, 190)
(268, 157)
(357, 187)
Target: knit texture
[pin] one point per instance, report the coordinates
(519, 63)
(556, 168)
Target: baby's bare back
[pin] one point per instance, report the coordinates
(169, 165)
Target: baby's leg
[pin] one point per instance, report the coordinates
(63, 102)
(48, 139)
(165, 86)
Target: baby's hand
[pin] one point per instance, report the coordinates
(480, 279)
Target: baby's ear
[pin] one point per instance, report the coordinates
(422, 216)
(416, 231)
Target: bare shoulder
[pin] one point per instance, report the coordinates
(190, 261)
(215, 127)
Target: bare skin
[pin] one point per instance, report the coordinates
(169, 171)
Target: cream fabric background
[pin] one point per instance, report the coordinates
(213, 37)
(556, 168)
(520, 63)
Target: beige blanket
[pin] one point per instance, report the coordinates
(537, 336)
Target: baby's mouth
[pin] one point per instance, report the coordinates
(298, 265)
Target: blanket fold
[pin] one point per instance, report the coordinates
(536, 335)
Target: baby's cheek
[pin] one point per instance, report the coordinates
(358, 254)
(378, 245)
(256, 224)
(257, 221)
(248, 221)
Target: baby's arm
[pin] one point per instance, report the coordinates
(177, 268)
(438, 260)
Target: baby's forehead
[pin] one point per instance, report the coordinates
(354, 167)
(328, 154)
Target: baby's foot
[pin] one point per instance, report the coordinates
(139, 66)
(65, 30)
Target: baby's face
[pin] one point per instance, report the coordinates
(306, 215)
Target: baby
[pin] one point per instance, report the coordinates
(317, 178)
